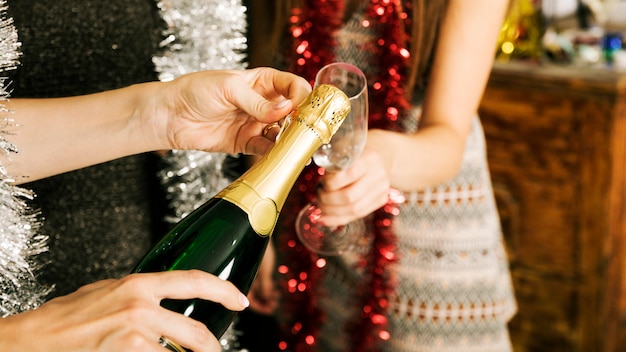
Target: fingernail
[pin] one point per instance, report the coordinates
(281, 104)
(244, 300)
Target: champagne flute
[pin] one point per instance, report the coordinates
(344, 147)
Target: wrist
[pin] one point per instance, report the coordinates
(149, 117)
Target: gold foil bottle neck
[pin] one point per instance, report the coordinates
(323, 111)
(261, 191)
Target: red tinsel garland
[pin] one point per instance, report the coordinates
(388, 105)
(313, 29)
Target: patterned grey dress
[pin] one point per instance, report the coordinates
(454, 289)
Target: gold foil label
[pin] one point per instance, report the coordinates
(323, 111)
(262, 212)
(261, 191)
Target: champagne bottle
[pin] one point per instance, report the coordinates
(227, 236)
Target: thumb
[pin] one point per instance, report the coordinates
(285, 89)
(262, 109)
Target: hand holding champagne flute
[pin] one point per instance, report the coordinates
(345, 146)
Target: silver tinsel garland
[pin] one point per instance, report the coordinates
(19, 240)
(201, 35)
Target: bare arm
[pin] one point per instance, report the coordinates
(212, 110)
(462, 65)
(433, 154)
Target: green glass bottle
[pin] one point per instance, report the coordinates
(227, 236)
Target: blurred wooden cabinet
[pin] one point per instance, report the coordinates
(556, 142)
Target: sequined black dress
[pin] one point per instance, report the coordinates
(103, 218)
